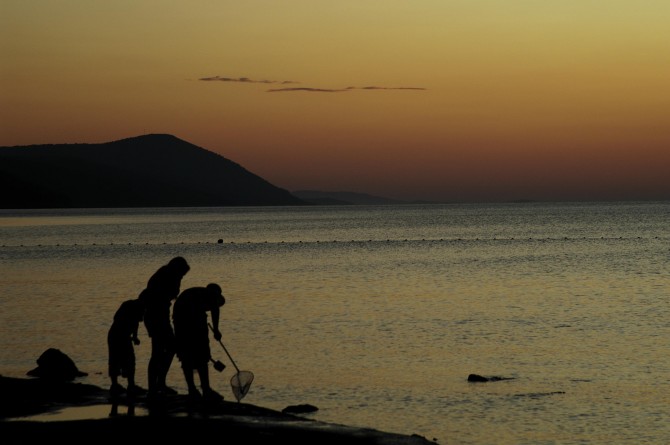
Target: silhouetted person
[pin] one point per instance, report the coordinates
(192, 336)
(163, 287)
(121, 338)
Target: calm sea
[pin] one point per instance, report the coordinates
(378, 314)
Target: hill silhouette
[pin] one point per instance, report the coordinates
(156, 170)
(343, 198)
(319, 197)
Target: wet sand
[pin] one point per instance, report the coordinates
(34, 410)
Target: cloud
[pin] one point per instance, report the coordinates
(307, 89)
(311, 90)
(387, 88)
(329, 90)
(245, 80)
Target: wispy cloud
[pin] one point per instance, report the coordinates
(311, 90)
(330, 90)
(245, 80)
(386, 88)
(295, 89)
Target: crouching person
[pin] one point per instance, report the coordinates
(189, 316)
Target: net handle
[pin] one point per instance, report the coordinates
(224, 348)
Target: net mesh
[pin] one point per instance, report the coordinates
(240, 384)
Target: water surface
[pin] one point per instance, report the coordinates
(377, 314)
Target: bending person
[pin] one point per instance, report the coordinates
(192, 336)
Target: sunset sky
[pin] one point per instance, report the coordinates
(470, 100)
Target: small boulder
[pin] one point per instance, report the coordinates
(477, 378)
(55, 365)
(481, 378)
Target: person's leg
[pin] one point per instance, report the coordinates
(132, 389)
(116, 389)
(115, 381)
(153, 369)
(203, 373)
(167, 355)
(207, 392)
(190, 381)
(166, 362)
(115, 369)
(131, 377)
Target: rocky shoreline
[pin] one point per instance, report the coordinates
(139, 420)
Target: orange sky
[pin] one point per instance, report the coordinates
(485, 100)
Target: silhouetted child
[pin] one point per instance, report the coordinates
(121, 338)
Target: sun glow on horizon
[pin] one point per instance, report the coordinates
(456, 100)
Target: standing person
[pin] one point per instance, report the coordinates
(121, 338)
(163, 287)
(192, 336)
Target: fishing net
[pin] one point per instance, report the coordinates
(240, 383)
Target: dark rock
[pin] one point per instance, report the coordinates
(172, 424)
(54, 364)
(300, 409)
(481, 378)
(477, 378)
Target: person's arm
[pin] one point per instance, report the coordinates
(134, 336)
(215, 323)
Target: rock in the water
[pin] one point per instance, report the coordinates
(54, 364)
(477, 378)
(481, 378)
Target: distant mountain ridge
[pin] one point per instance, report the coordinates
(319, 197)
(343, 198)
(155, 170)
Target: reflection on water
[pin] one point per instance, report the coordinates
(377, 315)
(86, 413)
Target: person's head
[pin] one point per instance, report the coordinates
(215, 290)
(179, 265)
